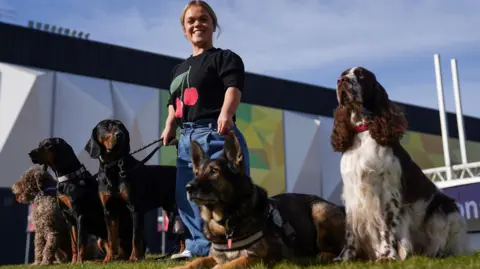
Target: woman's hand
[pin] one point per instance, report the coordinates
(224, 123)
(168, 134)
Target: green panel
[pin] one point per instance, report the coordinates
(168, 155)
(244, 113)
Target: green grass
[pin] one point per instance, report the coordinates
(472, 261)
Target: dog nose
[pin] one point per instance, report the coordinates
(342, 79)
(191, 187)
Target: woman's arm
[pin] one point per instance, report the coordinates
(231, 101)
(232, 73)
(170, 121)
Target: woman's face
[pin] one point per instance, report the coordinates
(198, 26)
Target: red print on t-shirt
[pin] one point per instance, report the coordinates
(190, 96)
(179, 108)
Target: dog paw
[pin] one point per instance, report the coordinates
(105, 261)
(337, 259)
(385, 259)
(133, 259)
(327, 256)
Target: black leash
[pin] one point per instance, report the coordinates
(172, 142)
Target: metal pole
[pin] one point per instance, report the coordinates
(29, 234)
(443, 116)
(458, 107)
(27, 248)
(164, 245)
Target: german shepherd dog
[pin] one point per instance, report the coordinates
(246, 227)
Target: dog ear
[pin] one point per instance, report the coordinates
(92, 146)
(197, 156)
(232, 150)
(127, 138)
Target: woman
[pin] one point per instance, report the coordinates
(205, 94)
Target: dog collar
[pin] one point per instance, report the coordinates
(361, 127)
(77, 173)
(46, 190)
(105, 163)
(239, 244)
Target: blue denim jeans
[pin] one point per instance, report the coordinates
(206, 134)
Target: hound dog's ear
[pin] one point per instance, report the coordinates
(197, 156)
(232, 150)
(126, 146)
(92, 146)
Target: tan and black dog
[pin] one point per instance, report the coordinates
(246, 227)
(127, 186)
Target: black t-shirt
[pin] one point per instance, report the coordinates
(199, 84)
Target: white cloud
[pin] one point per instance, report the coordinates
(281, 35)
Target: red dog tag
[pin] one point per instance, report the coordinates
(229, 243)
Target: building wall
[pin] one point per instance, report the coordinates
(289, 151)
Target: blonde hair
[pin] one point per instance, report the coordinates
(207, 7)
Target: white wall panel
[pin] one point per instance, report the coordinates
(139, 107)
(77, 112)
(27, 97)
(25, 117)
(311, 165)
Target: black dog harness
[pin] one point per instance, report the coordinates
(273, 216)
(120, 162)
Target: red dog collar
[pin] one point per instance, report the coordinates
(361, 128)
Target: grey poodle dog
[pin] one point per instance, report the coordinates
(52, 235)
(52, 238)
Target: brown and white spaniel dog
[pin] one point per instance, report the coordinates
(393, 209)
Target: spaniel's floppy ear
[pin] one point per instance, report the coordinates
(197, 156)
(232, 150)
(382, 95)
(378, 101)
(92, 146)
(341, 138)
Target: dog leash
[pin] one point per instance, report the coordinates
(122, 172)
(173, 142)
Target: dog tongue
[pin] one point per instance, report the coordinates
(229, 243)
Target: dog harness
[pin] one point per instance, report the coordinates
(238, 244)
(284, 228)
(42, 192)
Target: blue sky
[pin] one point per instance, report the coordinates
(310, 41)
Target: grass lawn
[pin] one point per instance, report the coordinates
(472, 261)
